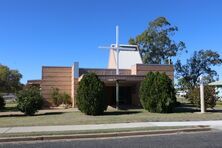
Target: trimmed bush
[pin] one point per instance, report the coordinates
(2, 103)
(157, 93)
(90, 95)
(29, 100)
(209, 96)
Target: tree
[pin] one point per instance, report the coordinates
(156, 44)
(209, 96)
(199, 64)
(9, 79)
(29, 100)
(90, 95)
(157, 93)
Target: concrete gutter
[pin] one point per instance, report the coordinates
(106, 135)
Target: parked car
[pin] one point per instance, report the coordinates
(181, 93)
(9, 97)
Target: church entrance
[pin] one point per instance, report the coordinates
(125, 95)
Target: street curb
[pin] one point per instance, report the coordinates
(106, 135)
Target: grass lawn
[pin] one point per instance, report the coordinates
(76, 117)
(10, 106)
(185, 112)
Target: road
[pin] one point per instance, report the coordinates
(191, 140)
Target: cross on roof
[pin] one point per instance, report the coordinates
(119, 47)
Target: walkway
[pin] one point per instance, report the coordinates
(213, 124)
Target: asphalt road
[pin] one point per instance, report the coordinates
(191, 140)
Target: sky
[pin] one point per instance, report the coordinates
(36, 33)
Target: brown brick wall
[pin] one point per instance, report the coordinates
(104, 71)
(61, 77)
(55, 77)
(143, 69)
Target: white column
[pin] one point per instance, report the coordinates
(117, 94)
(117, 66)
(202, 102)
(75, 76)
(117, 50)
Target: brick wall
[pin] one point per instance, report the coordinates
(143, 69)
(104, 71)
(55, 77)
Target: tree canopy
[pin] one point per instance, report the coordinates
(156, 44)
(200, 63)
(9, 79)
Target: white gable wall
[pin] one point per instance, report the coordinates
(126, 59)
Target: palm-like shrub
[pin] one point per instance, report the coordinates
(60, 98)
(29, 100)
(56, 96)
(157, 93)
(90, 95)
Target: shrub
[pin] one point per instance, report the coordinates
(209, 96)
(2, 103)
(56, 96)
(59, 98)
(90, 95)
(29, 100)
(157, 93)
(65, 98)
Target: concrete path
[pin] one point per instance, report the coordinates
(213, 124)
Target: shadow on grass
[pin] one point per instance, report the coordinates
(127, 107)
(190, 108)
(49, 113)
(186, 108)
(212, 110)
(38, 114)
(121, 113)
(9, 109)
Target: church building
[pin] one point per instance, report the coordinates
(131, 72)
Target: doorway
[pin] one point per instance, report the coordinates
(125, 95)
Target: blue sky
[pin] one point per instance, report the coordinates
(34, 33)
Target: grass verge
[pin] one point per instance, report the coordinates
(92, 131)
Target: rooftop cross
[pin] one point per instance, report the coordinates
(119, 47)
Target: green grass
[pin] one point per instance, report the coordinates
(10, 106)
(186, 112)
(90, 131)
(219, 103)
(75, 118)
